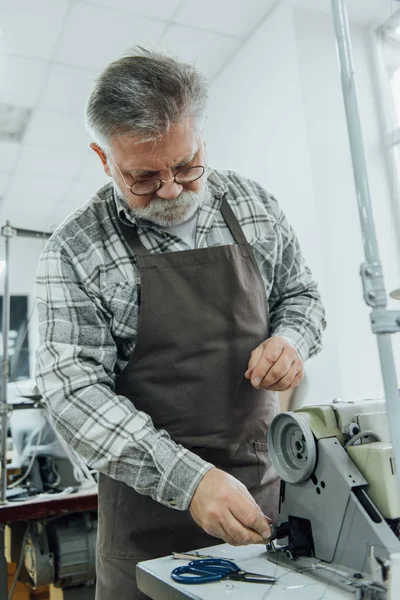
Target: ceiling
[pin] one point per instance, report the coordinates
(52, 50)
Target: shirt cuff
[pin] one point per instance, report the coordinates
(296, 340)
(180, 480)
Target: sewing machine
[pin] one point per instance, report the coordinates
(339, 506)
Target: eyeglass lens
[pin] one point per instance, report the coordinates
(149, 186)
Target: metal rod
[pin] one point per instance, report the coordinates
(3, 565)
(8, 232)
(5, 372)
(354, 129)
(31, 233)
(4, 424)
(376, 297)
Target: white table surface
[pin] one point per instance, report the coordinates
(154, 579)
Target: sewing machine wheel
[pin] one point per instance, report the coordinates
(292, 447)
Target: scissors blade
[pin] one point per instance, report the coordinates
(193, 556)
(254, 577)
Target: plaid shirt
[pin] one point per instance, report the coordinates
(88, 298)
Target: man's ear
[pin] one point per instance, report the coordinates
(103, 158)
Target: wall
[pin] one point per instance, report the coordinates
(283, 124)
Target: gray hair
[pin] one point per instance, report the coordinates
(143, 95)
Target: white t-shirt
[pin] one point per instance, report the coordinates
(185, 231)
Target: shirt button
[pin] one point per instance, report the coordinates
(172, 502)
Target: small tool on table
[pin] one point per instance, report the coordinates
(194, 556)
(207, 570)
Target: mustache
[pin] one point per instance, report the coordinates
(159, 210)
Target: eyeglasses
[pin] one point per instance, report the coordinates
(153, 184)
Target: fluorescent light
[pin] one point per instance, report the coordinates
(13, 122)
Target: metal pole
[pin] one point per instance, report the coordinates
(3, 565)
(4, 424)
(5, 372)
(383, 321)
(8, 232)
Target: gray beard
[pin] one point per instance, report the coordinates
(166, 213)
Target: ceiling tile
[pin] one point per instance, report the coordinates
(8, 156)
(209, 51)
(21, 80)
(56, 130)
(95, 36)
(29, 28)
(67, 89)
(48, 162)
(158, 9)
(233, 17)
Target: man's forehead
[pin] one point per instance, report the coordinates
(179, 144)
(156, 161)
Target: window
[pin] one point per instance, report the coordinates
(389, 48)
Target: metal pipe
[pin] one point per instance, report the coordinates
(4, 422)
(374, 289)
(3, 565)
(7, 232)
(5, 372)
(354, 129)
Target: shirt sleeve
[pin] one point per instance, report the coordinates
(296, 309)
(76, 360)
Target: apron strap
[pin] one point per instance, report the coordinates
(131, 235)
(232, 222)
(132, 238)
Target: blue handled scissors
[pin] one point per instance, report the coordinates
(206, 570)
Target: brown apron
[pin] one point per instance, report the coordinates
(202, 313)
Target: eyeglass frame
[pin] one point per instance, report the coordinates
(161, 181)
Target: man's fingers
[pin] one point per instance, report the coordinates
(254, 358)
(252, 518)
(224, 508)
(236, 534)
(268, 373)
(298, 378)
(271, 365)
(285, 382)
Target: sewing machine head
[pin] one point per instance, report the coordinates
(339, 501)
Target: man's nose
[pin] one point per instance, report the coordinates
(169, 190)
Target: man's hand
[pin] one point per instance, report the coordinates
(275, 365)
(223, 507)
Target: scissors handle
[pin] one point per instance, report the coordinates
(214, 569)
(205, 570)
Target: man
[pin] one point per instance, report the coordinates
(172, 308)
